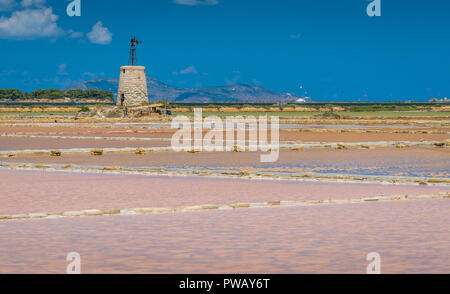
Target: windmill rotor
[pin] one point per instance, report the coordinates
(132, 60)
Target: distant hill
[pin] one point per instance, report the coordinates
(159, 91)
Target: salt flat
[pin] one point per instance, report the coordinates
(410, 236)
(332, 235)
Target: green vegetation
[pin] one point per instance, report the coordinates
(357, 108)
(251, 113)
(45, 94)
(164, 103)
(395, 114)
(15, 95)
(336, 115)
(318, 106)
(84, 108)
(11, 94)
(90, 94)
(37, 114)
(330, 114)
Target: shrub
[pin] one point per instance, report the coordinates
(84, 108)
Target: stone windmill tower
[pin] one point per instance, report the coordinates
(132, 83)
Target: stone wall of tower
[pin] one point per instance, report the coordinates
(132, 86)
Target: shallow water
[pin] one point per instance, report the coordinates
(411, 237)
(409, 162)
(345, 126)
(7, 144)
(33, 191)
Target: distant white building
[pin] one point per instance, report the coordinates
(303, 100)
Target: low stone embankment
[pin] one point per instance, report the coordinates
(158, 210)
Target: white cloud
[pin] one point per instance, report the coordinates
(256, 82)
(233, 81)
(5, 73)
(100, 34)
(92, 75)
(62, 70)
(29, 3)
(30, 24)
(236, 77)
(75, 35)
(196, 2)
(189, 70)
(7, 5)
(295, 36)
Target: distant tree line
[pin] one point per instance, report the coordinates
(53, 94)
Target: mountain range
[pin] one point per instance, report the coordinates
(158, 91)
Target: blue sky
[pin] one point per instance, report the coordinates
(331, 48)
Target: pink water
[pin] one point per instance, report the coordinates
(411, 237)
(9, 144)
(33, 191)
(412, 162)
